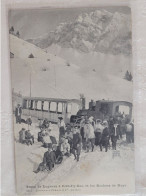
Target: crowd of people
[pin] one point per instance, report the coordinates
(75, 138)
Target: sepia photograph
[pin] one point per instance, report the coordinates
(72, 98)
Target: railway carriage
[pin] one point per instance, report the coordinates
(51, 108)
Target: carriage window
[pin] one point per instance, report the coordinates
(29, 104)
(69, 108)
(32, 106)
(25, 104)
(124, 109)
(53, 106)
(46, 106)
(59, 108)
(39, 105)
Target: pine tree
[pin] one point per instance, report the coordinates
(68, 64)
(130, 77)
(127, 75)
(18, 34)
(31, 56)
(11, 30)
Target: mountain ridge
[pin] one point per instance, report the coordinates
(99, 31)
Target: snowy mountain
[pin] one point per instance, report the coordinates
(52, 77)
(99, 31)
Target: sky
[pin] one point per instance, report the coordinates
(32, 23)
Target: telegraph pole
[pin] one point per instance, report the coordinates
(30, 83)
(55, 74)
(30, 93)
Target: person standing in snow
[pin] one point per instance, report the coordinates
(91, 120)
(82, 124)
(22, 136)
(132, 134)
(89, 135)
(18, 113)
(114, 133)
(69, 136)
(61, 125)
(77, 142)
(98, 128)
(129, 132)
(105, 137)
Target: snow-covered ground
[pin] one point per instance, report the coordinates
(94, 168)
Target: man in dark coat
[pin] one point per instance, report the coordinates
(77, 140)
(132, 134)
(49, 160)
(114, 133)
(18, 113)
(105, 137)
(62, 126)
(59, 155)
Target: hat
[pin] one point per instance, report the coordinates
(91, 117)
(60, 118)
(105, 123)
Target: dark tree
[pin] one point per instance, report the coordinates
(68, 64)
(128, 76)
(11, 30)
(31, 56)
(18, 34)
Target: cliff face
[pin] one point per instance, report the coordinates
(99, 31)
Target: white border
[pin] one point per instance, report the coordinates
(139, 64)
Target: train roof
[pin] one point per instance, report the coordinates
(111, 101)
(53, 99)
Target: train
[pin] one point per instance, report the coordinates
(104, 110)
(71, 110)
(50, 108)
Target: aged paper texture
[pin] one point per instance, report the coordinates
(72, 96)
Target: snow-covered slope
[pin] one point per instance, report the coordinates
(52, 77)
(22, 49)
(99, 31)
(95, 61)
